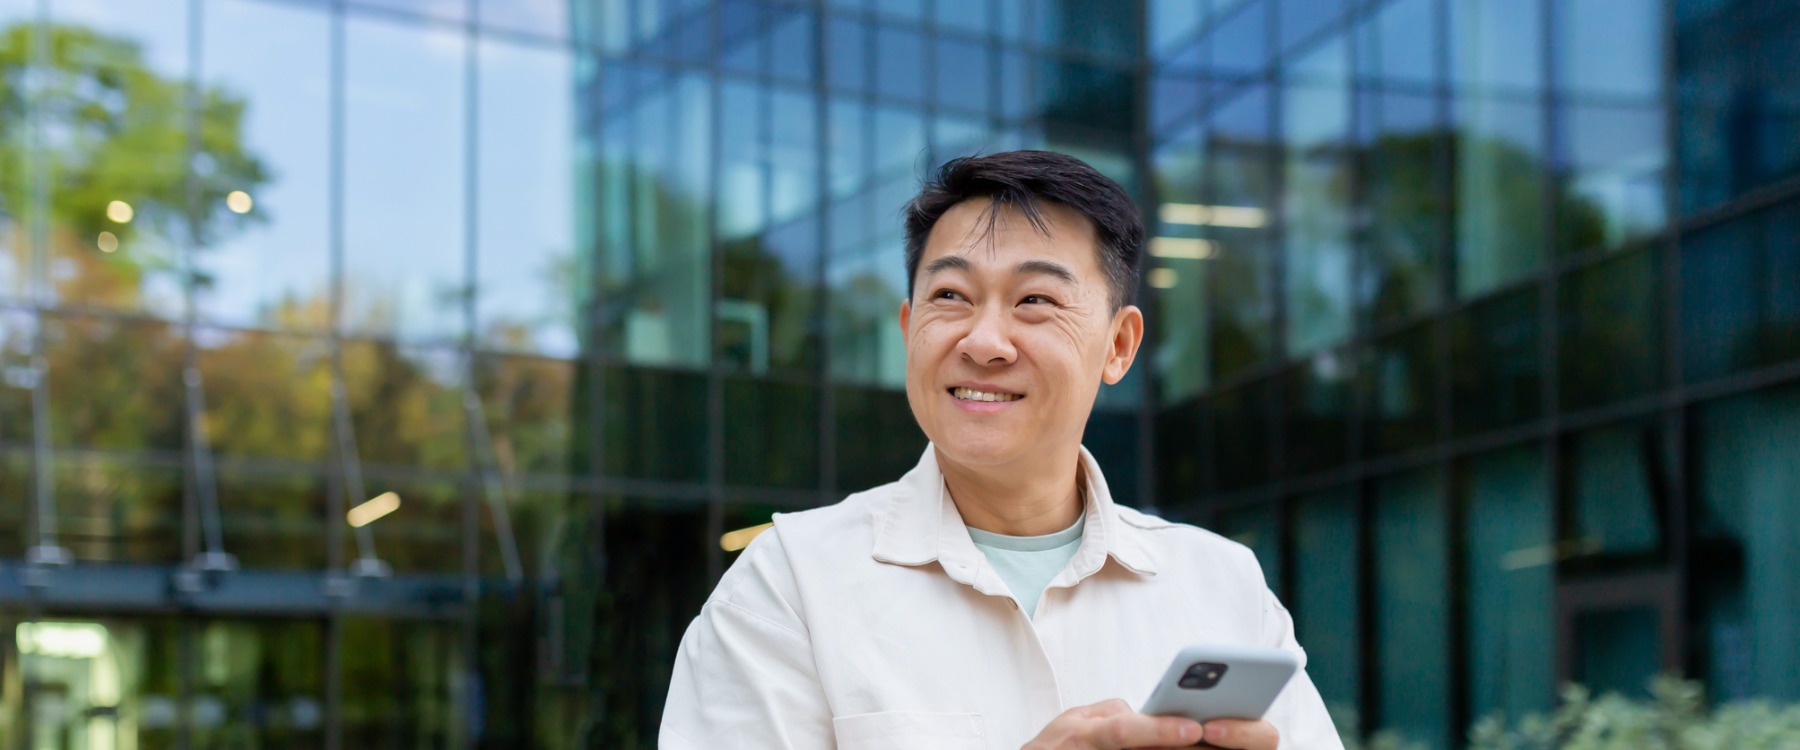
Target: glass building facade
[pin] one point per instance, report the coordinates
(1479, 320)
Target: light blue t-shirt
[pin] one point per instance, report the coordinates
(1028, 563)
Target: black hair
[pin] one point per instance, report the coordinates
(1019, 180)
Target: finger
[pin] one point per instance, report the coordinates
(1136, 730)
(1242, 735)
(1105, 708)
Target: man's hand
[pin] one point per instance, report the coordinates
(1112, 725)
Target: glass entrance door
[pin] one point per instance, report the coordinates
(1619, 631)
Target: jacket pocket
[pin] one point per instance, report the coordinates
(908, 730)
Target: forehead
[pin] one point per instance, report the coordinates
(984, 235)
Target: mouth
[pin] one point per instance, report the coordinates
(983, 396)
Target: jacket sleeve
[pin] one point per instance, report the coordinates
(1299, 714)
(744, 676)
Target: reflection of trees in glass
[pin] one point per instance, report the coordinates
(113, 129)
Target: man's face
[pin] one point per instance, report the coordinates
(1009, 335)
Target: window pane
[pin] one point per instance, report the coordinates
(866, 292)
(655, 193)
(267, 395)
(1497, 45)
(1497, 366)
(1749, 504)
(530, 275)
(17, 28)
(276, 520)
(1318, 272)
(1112, 437)
(1240, 42)
(1089, 96)
(846, 55)
(270, 267)
(1242, 420)
(108, 510)
(1173, 22)
(768, 317)
(531, 406)
(1259, 528)
(1740, 294)
(655, 424)
(547, 18)
(772, 434)
(1607, 338)
(396, 680)
(403, 170)
(1737, 81)
(791, 45)
(1499, 193)
(406, 404)
(1302, 19)
(1317, 411)
(1610, 124)
(117, 186)
(1240, 150)
(1510, 590)
(973, 16)
(962, 75)
(1621, 485)
(1407, 203)
(1401, 45)
(449, 10)
(1400, 380)
(861, 412)
(1412, 610)
(1612, 647)
(1179, 304)
(425, 535)
(17, 329)
(1179, 472)
(900, 73)
(793, 153)
(114, 384)
(1327, 588)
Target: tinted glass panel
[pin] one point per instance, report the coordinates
(1499, 209)
(1317, 410)
(1179, 468)
(404, 186)
(1400, 379)
(531, 277)
(1327, 589)
(269, 265)
(1621, 489)
(1318, 273)
(531, 406)
(108, 510)
(1607, 338)
(1412, 607)
(877, 438)
(1748, 505)
(1497, 363)
(1407, 202)
(1737, 76)
(1179, 304)
(772, 434)
(266, 395)
(406, 404)
(114, 384)
(1243, 444)
(655, 424)
(275, 520)
(1740, 294)
(1509, 586)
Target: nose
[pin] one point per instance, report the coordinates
(989, 340)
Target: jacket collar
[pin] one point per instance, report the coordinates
(919, 523)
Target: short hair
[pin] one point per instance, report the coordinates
(1021, 180)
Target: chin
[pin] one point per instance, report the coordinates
(978, 447)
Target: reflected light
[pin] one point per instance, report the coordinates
(733, 541)
(68, 640)
(120, 211)
(1183, 248)
(1163, 278)
(377, 506)
(108, 242)
(1241, 217)
(239, 202)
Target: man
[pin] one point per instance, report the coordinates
(995, 596)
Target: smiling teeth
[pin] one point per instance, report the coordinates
(970, 394)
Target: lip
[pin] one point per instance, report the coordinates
(981, 407)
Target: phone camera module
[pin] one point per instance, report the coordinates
(1202, 676)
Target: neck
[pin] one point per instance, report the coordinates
(1016, 503)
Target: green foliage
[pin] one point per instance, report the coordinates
(1675, 717)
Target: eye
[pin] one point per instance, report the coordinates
(1036, 299)
(948, 294)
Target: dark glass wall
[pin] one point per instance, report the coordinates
(1478, 296)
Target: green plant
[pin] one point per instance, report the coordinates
(1675, 717)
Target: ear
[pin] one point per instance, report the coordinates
(905, 319)
(1127, 336)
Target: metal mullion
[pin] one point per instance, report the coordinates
(335, 484)
(1148, 399)
(1275, 239)
(715, 383)
(827, 396)
(1673, 430)
(471, 536)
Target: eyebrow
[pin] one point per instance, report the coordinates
(1040, 267)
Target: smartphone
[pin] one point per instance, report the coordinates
(1222, 682)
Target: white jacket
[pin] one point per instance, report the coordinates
(875, 624)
